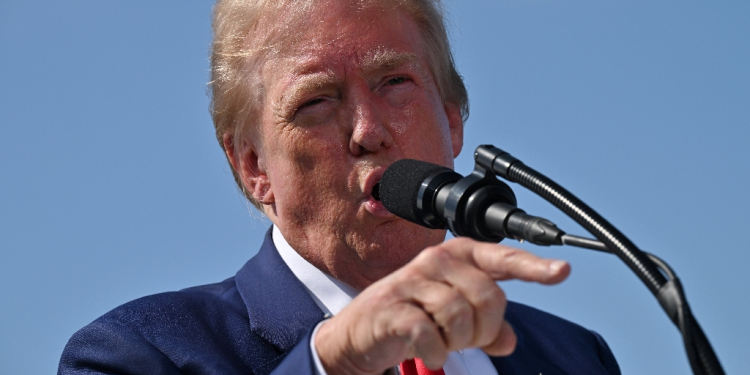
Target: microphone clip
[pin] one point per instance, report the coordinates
(469, 197)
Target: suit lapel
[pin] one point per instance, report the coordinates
(278, 305)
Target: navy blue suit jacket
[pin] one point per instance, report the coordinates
(259, 322)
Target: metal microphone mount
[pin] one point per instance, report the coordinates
(473, 193)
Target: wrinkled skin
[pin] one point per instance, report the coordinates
(355, 96)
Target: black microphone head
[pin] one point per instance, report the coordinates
(403, 185)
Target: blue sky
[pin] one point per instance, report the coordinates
(113, 186)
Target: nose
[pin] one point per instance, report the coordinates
(370, 132)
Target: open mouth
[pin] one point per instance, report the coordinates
(372, 201)
(376, 191)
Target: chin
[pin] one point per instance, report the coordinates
(395, 243)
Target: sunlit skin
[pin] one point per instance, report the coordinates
(338, 112)
(353, 95)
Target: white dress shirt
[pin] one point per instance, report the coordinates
(332, 296)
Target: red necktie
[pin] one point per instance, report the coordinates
(416, 367)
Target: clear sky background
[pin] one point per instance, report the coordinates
(113, 187)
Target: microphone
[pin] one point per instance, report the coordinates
(478, 206)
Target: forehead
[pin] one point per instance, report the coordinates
(329, 32)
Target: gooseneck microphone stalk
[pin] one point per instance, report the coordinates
(482, 207)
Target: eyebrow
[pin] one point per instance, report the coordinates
(383, 59)
(374, 61)
(303, 84)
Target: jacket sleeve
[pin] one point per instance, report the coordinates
(111, 349)
(299, 361)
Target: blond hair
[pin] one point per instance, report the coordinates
(236, 93)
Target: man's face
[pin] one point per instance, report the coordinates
(350, 96)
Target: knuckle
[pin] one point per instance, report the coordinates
(461, 314)
(487, 294)
(459, 240)
(408, 326)
(439, 253)
(406, 276)
(434, 259)
(491, 298)
(423, 333)
(388, 291)
(490, 314)
(509, 253)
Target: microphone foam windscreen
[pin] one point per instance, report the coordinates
(399, 187)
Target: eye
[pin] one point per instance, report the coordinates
(396, 81)
(314, 111)
(312, 103)
(398, 89)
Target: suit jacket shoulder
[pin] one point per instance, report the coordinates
(246, 324)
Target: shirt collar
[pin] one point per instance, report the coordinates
(330, 294)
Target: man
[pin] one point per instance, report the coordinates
(312, 100)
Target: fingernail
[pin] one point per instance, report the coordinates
(556, 266)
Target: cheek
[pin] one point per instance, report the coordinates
(310, 170)
(425, 133)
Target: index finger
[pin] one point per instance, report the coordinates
(504, 262)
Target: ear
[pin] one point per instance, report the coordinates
(248, 163)
(456, 127)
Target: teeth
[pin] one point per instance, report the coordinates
(376, 191)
